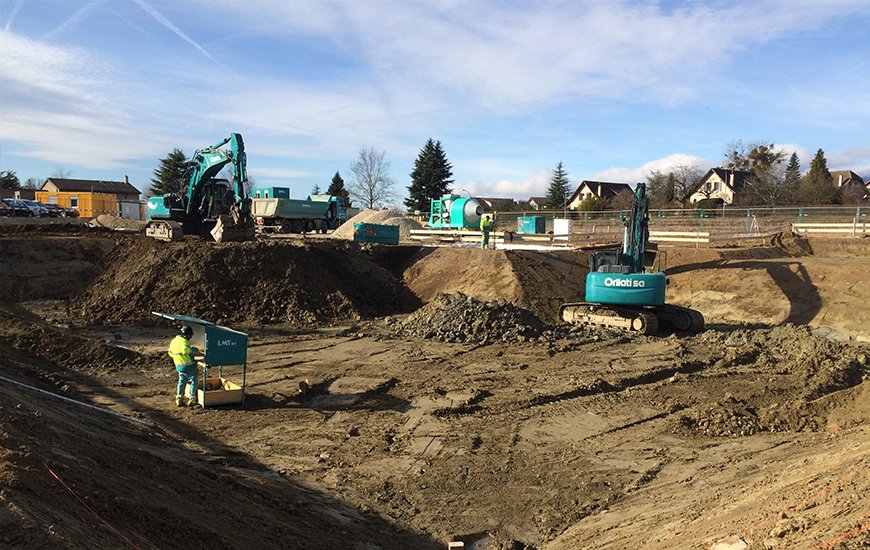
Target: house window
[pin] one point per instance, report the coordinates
(52, 199)
(73, 201)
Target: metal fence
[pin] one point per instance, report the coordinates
(725, 220)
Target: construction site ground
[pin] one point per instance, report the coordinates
(406, 397)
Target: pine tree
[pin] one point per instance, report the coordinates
(792, 177)
(431, 178)
(817, 187)
(8, 180)
(172, 174)
(336, 189)
(560, 188)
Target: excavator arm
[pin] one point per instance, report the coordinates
(210, 205)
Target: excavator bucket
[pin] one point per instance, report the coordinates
(228, 230)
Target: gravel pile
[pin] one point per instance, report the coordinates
(116, 222)
(345, 230)
(460, 318)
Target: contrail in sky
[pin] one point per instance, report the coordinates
(166, 23)
(75, 18)
(12, 15)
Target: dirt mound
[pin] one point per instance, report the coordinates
(256, 282)
(460, 318)
(406, 225)
(49, 267)
(539, 281)
(345, 230)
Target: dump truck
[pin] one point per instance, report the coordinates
(284, 215)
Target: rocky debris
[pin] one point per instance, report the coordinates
(460, 318)
(768, 354)
(110, 221)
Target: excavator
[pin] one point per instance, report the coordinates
(622, 292)
(207, 205)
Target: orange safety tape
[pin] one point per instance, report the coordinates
(91, 510)
(847, 535)
(85, 504)
(830, 487)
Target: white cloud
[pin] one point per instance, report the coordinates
(639, 173)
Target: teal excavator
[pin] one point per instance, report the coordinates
(207, 205)
(622, 293)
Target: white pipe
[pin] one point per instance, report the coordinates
(130, 418)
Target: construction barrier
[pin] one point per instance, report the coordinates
(853, 230)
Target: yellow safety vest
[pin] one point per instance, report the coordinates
(179, 350)
(485, 224)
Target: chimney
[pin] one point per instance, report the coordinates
(840, 181)
(126, 179)
(731, 180)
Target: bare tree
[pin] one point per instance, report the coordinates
(685, 180)
(372, 184)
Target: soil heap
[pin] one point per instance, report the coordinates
(254, 282)
(460, 318)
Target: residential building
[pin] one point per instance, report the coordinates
(91, 197)
(601, 189)
(721, 185)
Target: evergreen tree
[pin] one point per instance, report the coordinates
(792, 177)
(336, 189)
(560, 188)
(817, 187)
(8, 180)
(172, 174)
(431, 178)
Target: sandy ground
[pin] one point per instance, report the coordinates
(753, 432)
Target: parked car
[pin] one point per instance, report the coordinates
(18, 208)
(54, 210)
(5, 209)
(37, 208)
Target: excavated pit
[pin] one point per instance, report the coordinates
(444, 402)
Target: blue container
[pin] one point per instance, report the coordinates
(270, 193)
(531, 224)
(376, 233)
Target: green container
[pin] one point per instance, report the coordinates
(376, 233)
(531, 224)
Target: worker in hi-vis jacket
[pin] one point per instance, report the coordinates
(485, 226)
(182, 356)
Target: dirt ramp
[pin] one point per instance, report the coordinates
(540, 281)
(256, 282)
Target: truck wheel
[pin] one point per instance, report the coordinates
(286, 226)
(324, 226)
(309, 226)
(295, 226)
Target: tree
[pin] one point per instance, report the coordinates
(660, 189)
(32, 183)
(624, 200)
(767, 185)
(315, 190)
(8, 180)
(172, 174)
(61, 173)
(372, 185)
(817, 187)
(431, 178)
(793, 176)
(685, 180)
(336, 189)
(559, 190)
(593, 203)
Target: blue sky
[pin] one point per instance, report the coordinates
(105, 88)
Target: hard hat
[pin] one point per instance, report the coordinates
(186, 331)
